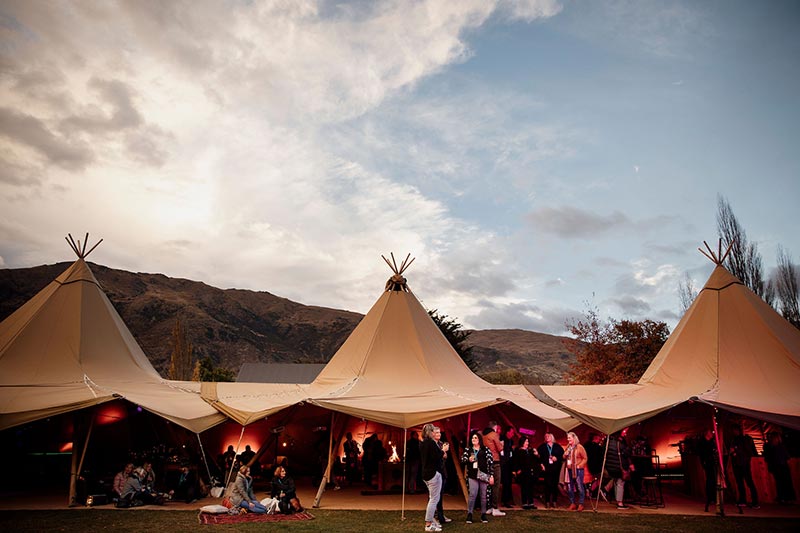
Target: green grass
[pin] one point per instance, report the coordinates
(120, 521)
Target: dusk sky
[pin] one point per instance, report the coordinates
(532, 156)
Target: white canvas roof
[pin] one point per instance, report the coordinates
(67, 348)
(730, 349)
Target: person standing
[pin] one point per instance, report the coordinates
(412, 462)
(478, 460)
(551, 454)
(741, 451)
(442, 469)
(594, 453)
(576, 459)
(619, 466)
(506, 466)
(777, 458)
(709, 460)
(430, 455)
(351, 452)
(526, 466)
(491, 440)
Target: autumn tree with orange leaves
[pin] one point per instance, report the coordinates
(613, 351)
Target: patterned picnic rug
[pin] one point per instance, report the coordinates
(224, 518)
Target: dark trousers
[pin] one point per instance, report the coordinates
(744, 475)
(526, 484)
(506, 477)
(711, 485)
(551, 485)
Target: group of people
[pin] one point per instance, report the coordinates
(135, 486)
(740, 451)
(283, 493)
(492, 461)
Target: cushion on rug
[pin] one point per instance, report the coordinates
(214, 509)
(208, 518)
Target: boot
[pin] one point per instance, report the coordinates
(469, 518)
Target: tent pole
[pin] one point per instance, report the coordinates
(602, 471)
(721, 466)
(233, 463)
(75, 471)
(327, 473)
(203, 452)
(403, 500)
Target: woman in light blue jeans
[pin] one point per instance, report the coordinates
(430, 455)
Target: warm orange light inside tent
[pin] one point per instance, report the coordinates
(394, 458)
(109, 414)
(66, 447)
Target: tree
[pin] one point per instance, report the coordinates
(180, 367)
(456, 336)
(613, 351)
(686, 292)
(744, 261)
(206, 370)
(786, 288)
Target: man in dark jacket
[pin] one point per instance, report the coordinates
(743, 449)
(618, 464)
(551, 454)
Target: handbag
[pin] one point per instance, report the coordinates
(483, 476)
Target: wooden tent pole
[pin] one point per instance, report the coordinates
(233, 463)
(602, 471)
(75, 471)
(721, 465)
(403, 501)
(331, 457)
(202, 451)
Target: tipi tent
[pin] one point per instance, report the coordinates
(730, 349)
(67, 348)
(396, 368)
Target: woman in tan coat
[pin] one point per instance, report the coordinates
(575, 460)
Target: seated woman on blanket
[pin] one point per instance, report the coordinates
(242, 493)
(283, 490)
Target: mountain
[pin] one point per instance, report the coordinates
(234, 326)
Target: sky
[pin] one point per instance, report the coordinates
(534, 157)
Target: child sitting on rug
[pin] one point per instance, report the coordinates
(242, 493)
(283, 490)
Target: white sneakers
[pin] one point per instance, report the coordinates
(497, 512)
(433, 526)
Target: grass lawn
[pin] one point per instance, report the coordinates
(119, 521)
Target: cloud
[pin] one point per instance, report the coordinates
(26, 131)
(631, 305)
(573, 223)
(521, 315)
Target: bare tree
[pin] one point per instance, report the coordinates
(686, 292)
(786, 287)
(744, 261)
(180, 367)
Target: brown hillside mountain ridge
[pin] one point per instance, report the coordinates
(235, 326)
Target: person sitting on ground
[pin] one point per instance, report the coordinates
(119, 481)
(283, 490)
(242, 496)
(135, 493)
(187, 487)
(149, 477)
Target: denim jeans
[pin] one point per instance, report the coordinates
(434, 485)
(254, 507)
(477, 489)
(577, 481)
